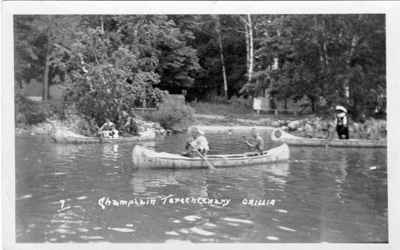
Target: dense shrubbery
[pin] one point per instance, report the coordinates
(172, 115)
(30, 112)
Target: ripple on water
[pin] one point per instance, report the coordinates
(200, 231)
(184, 231)
(93, 237)
(121, 229)
(27, 196)
(172, 233)
(64, 231)
(58, 173)
(274, 238)
(192, 217)
(287, 229)
(237, 220)
(283, 211)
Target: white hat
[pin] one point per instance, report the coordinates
(341, 108)
(341, 115)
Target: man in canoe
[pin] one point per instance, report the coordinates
(197, 144)
(342, 123)
(256, 142)
(108, 130)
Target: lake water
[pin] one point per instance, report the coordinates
(320, 195)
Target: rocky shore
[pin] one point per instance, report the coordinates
(74, 128)
(310, 127)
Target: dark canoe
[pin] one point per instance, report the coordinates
(146, 158)
(279, 135)
(80, 139)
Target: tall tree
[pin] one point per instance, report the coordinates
(221, 53)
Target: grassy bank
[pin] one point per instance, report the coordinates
(238, 108)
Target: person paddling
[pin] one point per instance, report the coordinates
(198, 142)
(342, 123)
(108, 129)
(256, 142)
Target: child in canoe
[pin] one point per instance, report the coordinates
(256, 142)
(197, 144)
(108, 130)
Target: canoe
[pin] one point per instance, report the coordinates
(279, 135)
(81, 139)
(146, 158)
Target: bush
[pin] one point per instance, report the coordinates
(30, 112)
(172, 115)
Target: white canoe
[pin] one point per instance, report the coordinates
(146, 158)
(81, 139)
(279, 135)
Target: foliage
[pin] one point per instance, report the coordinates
(172, 115)
(319, 56)
(114, 63)
(30, 112)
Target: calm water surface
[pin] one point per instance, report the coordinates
(334, 195)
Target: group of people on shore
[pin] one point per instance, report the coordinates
(127, 126)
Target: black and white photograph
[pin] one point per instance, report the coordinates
(218, 127)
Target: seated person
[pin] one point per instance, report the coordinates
(256, 142)
(197, 144)
(128, 124)
(108, 130)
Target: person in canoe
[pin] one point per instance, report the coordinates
(198, 143)
(342, 122)
(256, 142)
(108, 130)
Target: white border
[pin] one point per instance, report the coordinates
(391, 9)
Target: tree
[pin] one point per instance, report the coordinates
(221, 53)
(37, 39)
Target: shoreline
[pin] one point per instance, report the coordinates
(311, 127)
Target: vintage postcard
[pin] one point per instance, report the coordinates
(199, 122)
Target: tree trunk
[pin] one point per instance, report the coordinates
(46, 78)
(247, 38)
(47, 63)
(102, 24)
(221, 53)
(346, 84)
(251, 49)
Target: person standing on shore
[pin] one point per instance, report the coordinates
(342, 122)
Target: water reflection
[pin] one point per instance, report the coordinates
(332, 195)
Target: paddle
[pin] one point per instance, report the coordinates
(247, 141)
(205, 159)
